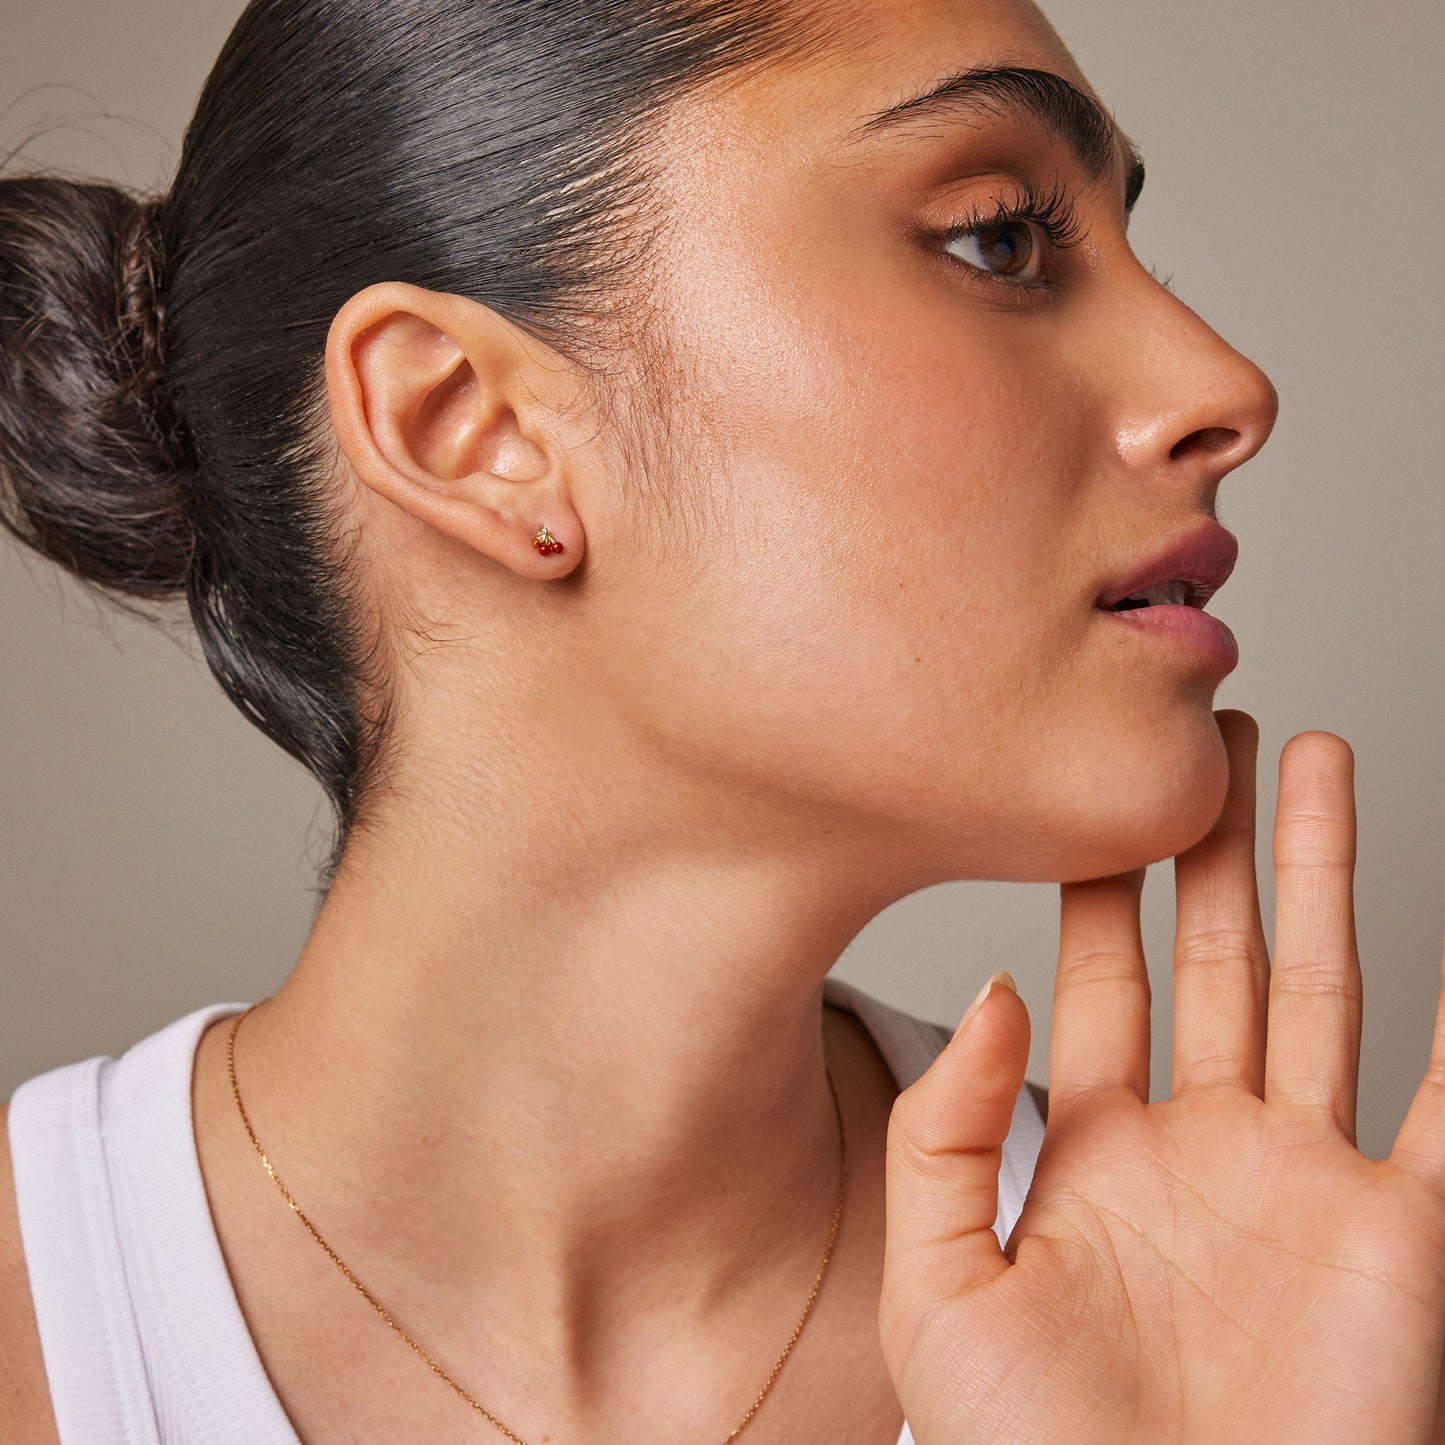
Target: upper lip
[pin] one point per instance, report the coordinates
(1203, 558)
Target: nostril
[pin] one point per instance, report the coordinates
(1209, 441)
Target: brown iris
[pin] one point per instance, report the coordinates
(1005, 250)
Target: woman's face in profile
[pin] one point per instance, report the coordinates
(919, 465)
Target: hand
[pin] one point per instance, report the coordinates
(1219, 1266)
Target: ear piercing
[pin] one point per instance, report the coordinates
(546, 543)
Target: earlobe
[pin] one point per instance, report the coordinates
(444, 409)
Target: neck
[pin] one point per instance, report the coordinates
(574, 1079)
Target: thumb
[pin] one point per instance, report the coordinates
(945, 1145)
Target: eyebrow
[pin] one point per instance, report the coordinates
(1038, 95)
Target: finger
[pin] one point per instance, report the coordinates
(1100, 1034)
(945, 1146)
(1420, 1144)
(1312, 1057)
(1221, 962)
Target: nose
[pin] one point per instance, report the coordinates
(1191, 407)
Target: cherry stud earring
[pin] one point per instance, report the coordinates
(546, 543)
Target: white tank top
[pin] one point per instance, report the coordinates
(143, 1338)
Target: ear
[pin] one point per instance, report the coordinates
(453, 414)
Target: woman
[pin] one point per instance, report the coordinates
(685, 477)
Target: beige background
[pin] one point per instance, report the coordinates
(156, 854)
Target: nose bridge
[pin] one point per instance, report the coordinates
(1185, 394)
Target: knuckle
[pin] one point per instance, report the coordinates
(1119, 974)
(1314, 837)
(1211, 948)
(913, 1130)
(1316, 981)
(1102, 965)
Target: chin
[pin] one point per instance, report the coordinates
(1155, 798)
(1150, 795)
(1117, 798)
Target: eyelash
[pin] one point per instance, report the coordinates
(1054, 212)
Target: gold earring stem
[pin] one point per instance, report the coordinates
(435, 1368)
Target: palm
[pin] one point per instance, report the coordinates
(1223, 1265)
(1277, 1265)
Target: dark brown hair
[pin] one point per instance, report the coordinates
(160, 360)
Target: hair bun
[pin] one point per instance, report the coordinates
(138, 267)
(93, 470)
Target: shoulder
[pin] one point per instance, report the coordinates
(24, 1394)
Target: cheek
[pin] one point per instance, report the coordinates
(779, 678)
(905, 510)
(866, 631)
(893, 613)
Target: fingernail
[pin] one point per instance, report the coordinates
(1002, 977)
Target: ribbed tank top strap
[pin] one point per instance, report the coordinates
(186, 1371)
(88, 1332)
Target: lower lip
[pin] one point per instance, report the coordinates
(1186, 627)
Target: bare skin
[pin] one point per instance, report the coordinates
(550, 1071)
(24, 1398)
(1221, 1265)
(724, 1343)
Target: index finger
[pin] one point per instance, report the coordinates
(1221, 964)
(1100, 1034)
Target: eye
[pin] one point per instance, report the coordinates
(1019, 239)
(1011, 250)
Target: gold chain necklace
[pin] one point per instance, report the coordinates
(435, 1368)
